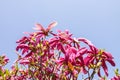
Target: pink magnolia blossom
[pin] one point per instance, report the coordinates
(3, 60)
(94, 56)
(72, 58)
(64, 35)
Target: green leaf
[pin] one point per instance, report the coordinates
(1, 73)
(7, 72)
(116, 72)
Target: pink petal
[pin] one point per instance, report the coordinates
(5, 58)
(22, 46)
(108, 55)
(53, 41)
(60, 47)
(111, 62)
(105, 67)
(83, 51)
(39, 27)
(87, 60)
(73, 50)
(83, 70)
(72, 58)
(85, 41)
(24, 51)
(24, 62)
(60, 60)
(99, 74)
(22, 40)
(29, 54)
(53, 24)
(116, 78)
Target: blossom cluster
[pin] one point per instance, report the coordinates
(45, 55)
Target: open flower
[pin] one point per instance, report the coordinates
(95, 56)
(3, 60)
(99, 56)
(72, 58)
(64, 35)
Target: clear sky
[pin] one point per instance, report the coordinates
(97, 20)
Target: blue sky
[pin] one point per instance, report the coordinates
(97, 20)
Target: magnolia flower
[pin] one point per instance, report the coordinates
(72, 59)
(95, 55)
(99, 56)
(64, 35)
(3, 60)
